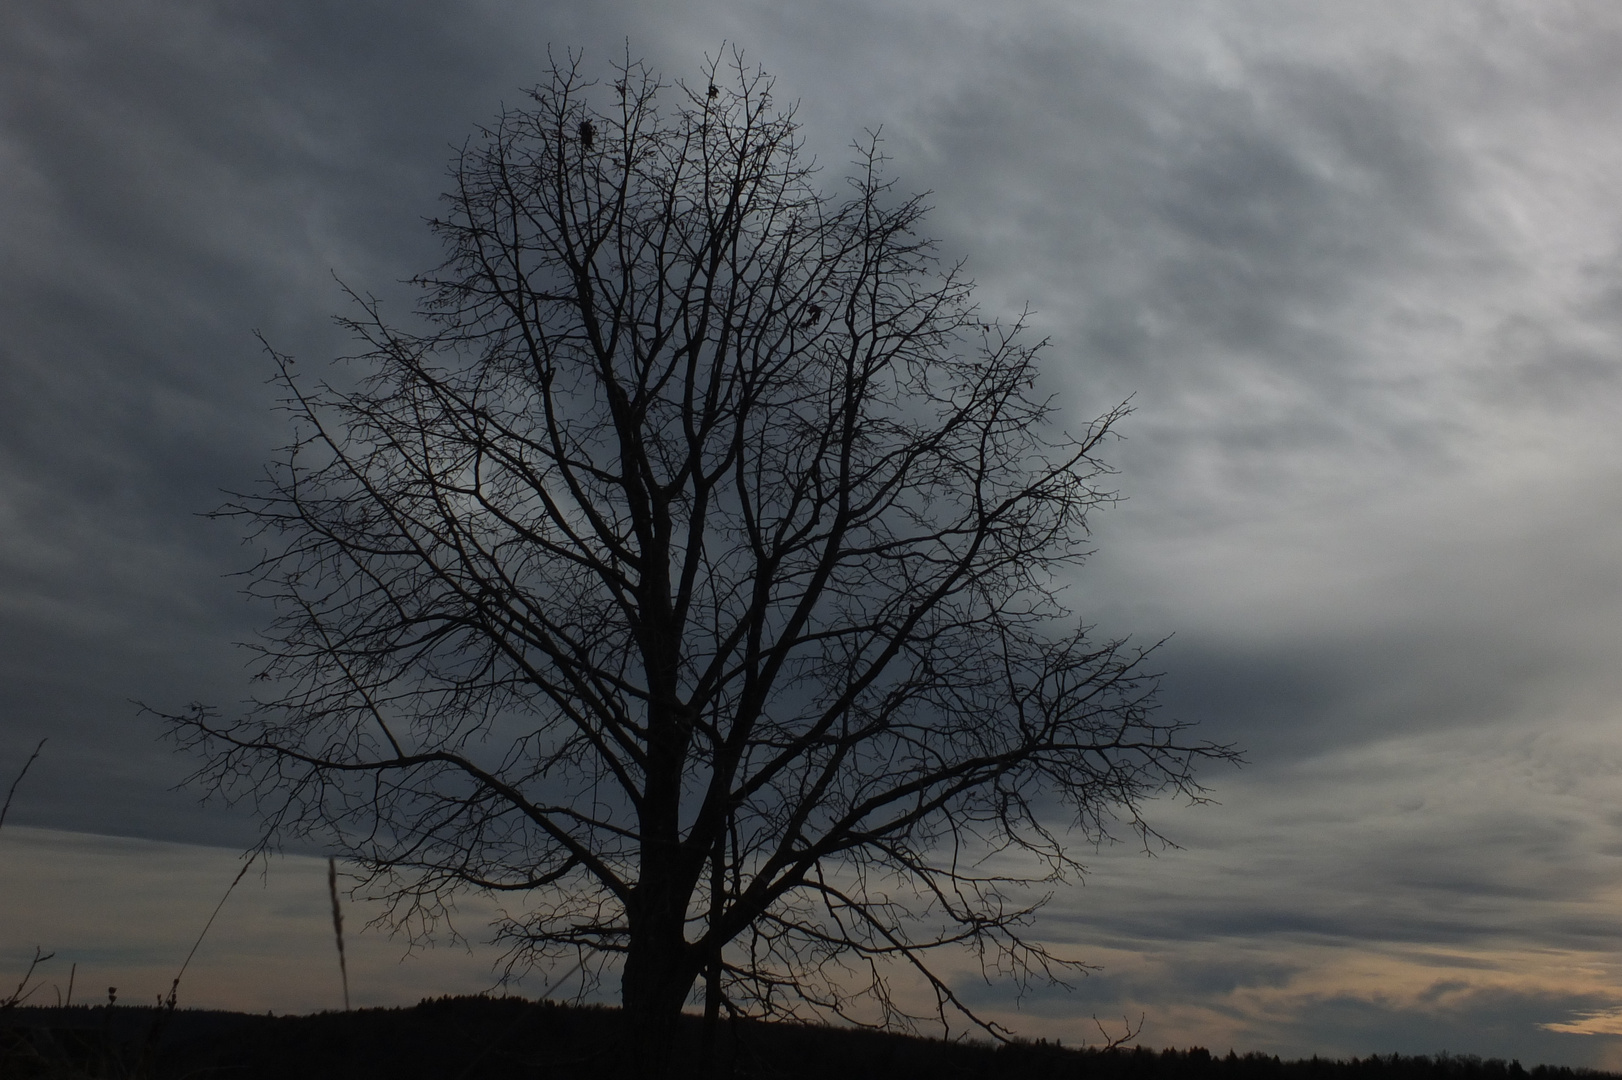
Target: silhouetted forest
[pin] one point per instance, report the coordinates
(488, 1038)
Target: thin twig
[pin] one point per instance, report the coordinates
(26, 765)
(18, 996)
(22, 993)
(1130, 1033)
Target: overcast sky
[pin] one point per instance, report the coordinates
(1359, 267)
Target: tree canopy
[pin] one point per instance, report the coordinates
(692, 574)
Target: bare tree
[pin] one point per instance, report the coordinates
(692, 575)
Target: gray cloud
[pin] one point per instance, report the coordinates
(1358, 265)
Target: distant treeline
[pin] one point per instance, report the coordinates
(490, 1038)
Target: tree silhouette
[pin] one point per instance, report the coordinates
(692, 575)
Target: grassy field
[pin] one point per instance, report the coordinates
(491, 1038)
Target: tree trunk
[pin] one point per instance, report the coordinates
(658, 977)
(659, 965)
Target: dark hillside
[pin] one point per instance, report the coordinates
(487, 1038)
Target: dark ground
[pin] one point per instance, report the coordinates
(487, 1038)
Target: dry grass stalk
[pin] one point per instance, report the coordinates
(174, 988)
(338, 925)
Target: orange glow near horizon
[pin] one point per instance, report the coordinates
(127, 911)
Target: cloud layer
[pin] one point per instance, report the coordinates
(1357, 266)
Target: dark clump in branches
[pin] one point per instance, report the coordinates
(691, 576)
